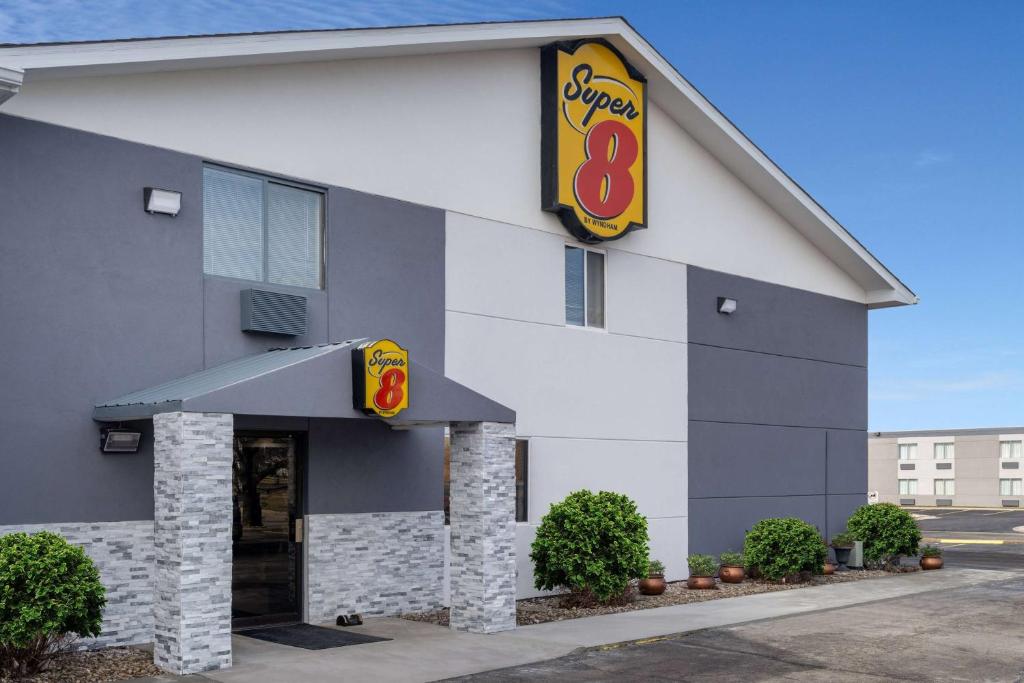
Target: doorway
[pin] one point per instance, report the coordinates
(267, 487)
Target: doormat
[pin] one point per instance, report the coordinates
(308, 636)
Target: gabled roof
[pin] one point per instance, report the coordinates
(673, 93)
(310, 381)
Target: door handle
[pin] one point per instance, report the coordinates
(298, 529)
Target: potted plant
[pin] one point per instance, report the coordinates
(702, 572)
(731, 567)
(654, 584)
(842, 545)
(931, 557)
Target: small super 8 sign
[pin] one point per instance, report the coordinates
(380, 377)
(594, 139)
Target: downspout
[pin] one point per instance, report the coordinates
(10, 82)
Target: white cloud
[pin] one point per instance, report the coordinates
(932, 158)
(918, 389)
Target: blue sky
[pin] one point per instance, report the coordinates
(905, 120)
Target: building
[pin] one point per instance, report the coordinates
(957, 467)
(653, 308)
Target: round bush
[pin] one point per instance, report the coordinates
(49, 590)
(887, 531)
(592, 544)
(781, 547)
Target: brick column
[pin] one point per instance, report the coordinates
(483, 527)
(192, 537)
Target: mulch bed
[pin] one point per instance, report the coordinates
(98, 666)
(551, 608)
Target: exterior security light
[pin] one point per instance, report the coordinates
(120, 441)
(726, 306)
(161, 201)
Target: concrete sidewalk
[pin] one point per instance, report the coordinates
(424, 652)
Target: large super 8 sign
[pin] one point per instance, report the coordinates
(380, 377)
(594, 139)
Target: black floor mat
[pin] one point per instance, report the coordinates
(308, 636)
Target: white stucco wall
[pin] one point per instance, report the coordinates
(457, 131)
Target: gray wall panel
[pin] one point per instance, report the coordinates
(775, 319)
(757, 388)
(777, 397)
(753, 460)
(847, 462)
(99, 298)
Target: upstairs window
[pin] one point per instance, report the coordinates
(262, 229)
(908, 451)
(584, 287)
(943, 451)
(1010, 450)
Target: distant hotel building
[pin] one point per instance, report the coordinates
(965, 467)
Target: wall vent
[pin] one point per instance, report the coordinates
(273, 312)
(944, 502)
(1011, 465)
(907, 501)
(907, 466)
(943, 465)
(1011, 503)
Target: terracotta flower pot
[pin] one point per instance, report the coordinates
(730, 573)
(652, 585)
(931, 563)
(830, 568)
(700, 582)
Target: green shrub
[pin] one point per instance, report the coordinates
(782, 547)
(655, 568)
(702, 565)
(592, 544)
(50, 592)
(731, 559)
(844, 540)
(931, 551)
(887, 531)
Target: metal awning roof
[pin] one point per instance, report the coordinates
(314, 381)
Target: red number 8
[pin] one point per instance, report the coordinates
(604, 169)
(390, 393)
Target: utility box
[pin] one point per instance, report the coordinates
(856, 556)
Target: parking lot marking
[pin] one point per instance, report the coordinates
(972, 541)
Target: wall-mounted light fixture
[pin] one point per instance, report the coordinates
(117, 440)
(726, 306)
(166, 202)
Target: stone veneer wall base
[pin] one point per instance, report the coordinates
(374, 564)
(123, 555)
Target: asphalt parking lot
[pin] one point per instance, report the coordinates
(1001, 521)
(975, 538)
(964, 634)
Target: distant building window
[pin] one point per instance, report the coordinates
(943, 451)
(944, 487)
(522, 473)
(261, 229)
(1010, 487)
(908, 487)
(584, 287)
(908, 451)
(1010, 450)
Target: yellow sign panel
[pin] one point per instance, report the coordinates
(594, 140)
(380, 375)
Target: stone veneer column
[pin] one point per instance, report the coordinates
(483, 527)
(192, 538)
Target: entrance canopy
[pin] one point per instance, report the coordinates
(314, 381)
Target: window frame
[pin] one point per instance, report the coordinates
(947, 483)
(586, 292)
(268, 180)
(1011, 481)
(1020, 449)
(911, 448)
(908, 492)
(943, 445)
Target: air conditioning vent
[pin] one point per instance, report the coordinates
(273, 312)
(1011, 503)
(943, 465)
(907, 501)
(907, 466)
(1011, 465)
(944, 502)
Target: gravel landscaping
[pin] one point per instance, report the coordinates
(110, 664)
(549, 608)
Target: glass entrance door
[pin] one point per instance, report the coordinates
(266, 548)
